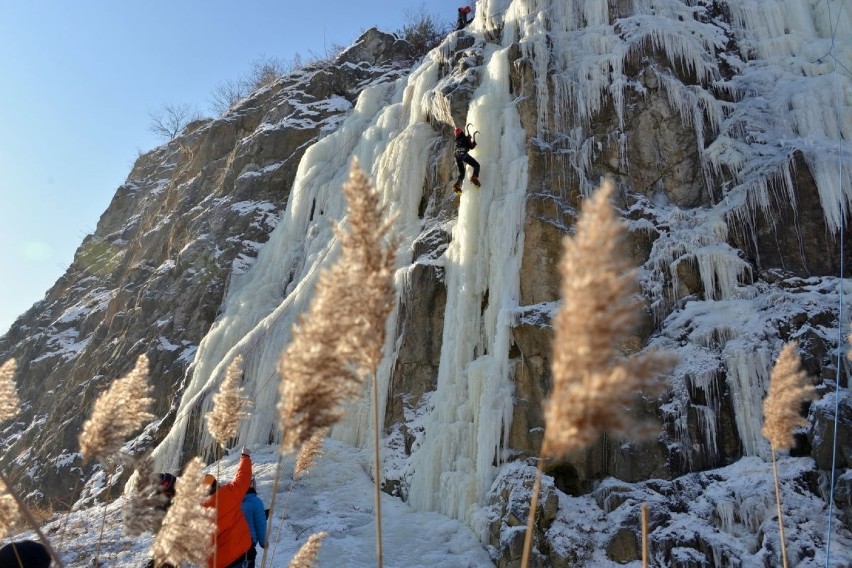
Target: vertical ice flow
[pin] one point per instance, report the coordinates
(471, 413)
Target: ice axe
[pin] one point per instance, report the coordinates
(473, 137)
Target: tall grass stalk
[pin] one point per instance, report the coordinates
(304, 461)
(789, 389)
(281, 525)
(118, 412)
(108, 474)
(188, 526)
(275, 483)
(644, 535)
(10, 406)
(377, 473)
(144, 505)
(780, 514)
(223, 421)
(592, 382)
(308, 454)
(28, 516)
(216, 515)
(306, 556)
(525, 557)
(339, 340)
(63, 530)
(229, 406)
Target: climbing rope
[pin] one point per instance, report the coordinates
(841, 338)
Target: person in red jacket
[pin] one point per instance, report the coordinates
(462, 20)
(233, 538)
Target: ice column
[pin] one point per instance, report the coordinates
(471, 410)
(748, 369)
(400, 157)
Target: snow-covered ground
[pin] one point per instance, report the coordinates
(711, 518)
(339, 502)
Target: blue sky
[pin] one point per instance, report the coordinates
(79, 79)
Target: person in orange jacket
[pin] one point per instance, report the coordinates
(233, 538)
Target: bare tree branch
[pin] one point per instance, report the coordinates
(169, 120)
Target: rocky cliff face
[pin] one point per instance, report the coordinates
(191, 217)
(701, 113)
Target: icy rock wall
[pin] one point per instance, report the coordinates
(791, 88)
(472, 407)
(579, 55)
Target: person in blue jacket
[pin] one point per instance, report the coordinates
(256, 518)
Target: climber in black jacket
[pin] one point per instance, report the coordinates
(464, 144)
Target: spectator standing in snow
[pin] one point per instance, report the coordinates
(233, 539)
(166, 488)
(256, 518)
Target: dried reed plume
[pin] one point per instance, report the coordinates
(145, 506)
(10, 405)
(789, 388)
(306, 557)
(229, 405)
(340, 338)
(592, 383)
(23, 513)
(309, 452)
(12, 507)
(188, 525)
(8, 510)
(117, 413)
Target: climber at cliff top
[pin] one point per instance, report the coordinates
(464, 144)
(462, 20)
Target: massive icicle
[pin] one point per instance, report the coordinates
(386, 132)
(471, 410)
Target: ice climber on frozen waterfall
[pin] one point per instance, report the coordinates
(462, 19)
(464, 144)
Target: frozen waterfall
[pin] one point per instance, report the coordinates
(386, 133)
(577, 56)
